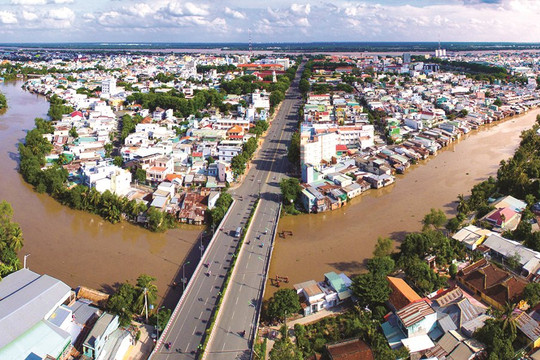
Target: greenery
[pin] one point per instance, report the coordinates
(293, 153)
(130, 299)
(290, 195)
(216, 214)
(284, 303)
(11, 240)
(532, 294)
(53, 178)
(128, 124)
(3, 101)
(201, 69)
(355, 323)
(57, 108)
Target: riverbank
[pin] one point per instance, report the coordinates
(343, 239)
(74, 246)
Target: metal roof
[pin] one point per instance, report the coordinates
(25, 299)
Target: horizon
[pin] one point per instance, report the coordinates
(287, 21)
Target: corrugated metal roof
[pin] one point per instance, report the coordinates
(25, 299)
(415, 312)
(528, 326)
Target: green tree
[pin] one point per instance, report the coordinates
(304, 86)
(108, 149)
(371, 289)
(532, 294)
(383, 247)
(285, 349)
(118, 161)
(140, 175)
(122, 302)
(381, 265)
(285, 302)
(73, 132)
(435, 218)
(145, 287)
(453, 270)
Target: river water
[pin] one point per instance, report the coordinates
(83, 249)
(342, 240)
(74, 246)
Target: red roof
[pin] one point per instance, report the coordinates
(197, 154)
(341, 147)
(76, 113)
(497, 215)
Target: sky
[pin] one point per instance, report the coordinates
(138, 21)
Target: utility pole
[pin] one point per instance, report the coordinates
(184, 280)
(24, 261)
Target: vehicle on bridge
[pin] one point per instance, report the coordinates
(238, 232)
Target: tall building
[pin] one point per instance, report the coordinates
(406, 58)
(314, 149)
(108, 86)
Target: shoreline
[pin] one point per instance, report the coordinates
(421, 162)
(342, 240)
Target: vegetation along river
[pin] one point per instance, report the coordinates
(74, 246)
(83, 249)
(343, 239)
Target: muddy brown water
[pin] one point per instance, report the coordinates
(343, 239)
(74, 246)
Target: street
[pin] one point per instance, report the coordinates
(186, 329)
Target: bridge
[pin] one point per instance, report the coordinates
(242, 301)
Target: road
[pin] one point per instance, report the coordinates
(187, 326)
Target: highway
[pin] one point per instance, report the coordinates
(186, 329)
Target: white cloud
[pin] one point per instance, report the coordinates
(199, 9)
(300, 9)
(29, 16)
(234, 13)
(62, 13)
(7, 17)
(29, 2)
(63, 1)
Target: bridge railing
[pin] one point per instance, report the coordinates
(191, 281)
(265, 280)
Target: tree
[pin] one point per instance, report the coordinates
(293, 153)
(371, 289)
(238, 164)
(118, 161)
(453, 270)
(108, 149)
(285, 302)
(497, 102)
(121, 303)
(140, 175)
(383, 247)
(73, 132)
(532, 294)
(435, 218)
(155, 219)
(382, 265)
(145, 284)
(304, 86)
(285, 349)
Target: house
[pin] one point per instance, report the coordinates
(401, 293)
(510, 202)
(504, 249)
(528, 327)
(417, 318)
(471, 236)
(491, 284)
(104, 176)
(315, 296)
(354, 349)
(504, 218)
(27, 304)
(97, 337)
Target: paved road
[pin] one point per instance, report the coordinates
(187, 327)
(241, 305)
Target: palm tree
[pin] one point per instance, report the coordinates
(15, 240)
(507, 318)
(145, 284)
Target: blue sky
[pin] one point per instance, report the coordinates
(268, 20)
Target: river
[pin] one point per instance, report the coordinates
(74, 246)
(343, 239)
(83, 249)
